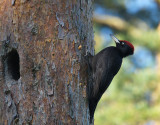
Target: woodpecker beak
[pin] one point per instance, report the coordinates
(114, 38)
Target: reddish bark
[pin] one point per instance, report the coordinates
(50, 39)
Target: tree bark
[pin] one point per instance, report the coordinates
(43, 75)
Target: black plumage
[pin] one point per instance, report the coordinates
(104, 66)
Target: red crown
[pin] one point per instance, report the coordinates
(128, 43)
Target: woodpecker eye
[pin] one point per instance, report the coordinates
(122, 43)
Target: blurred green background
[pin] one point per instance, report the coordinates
(133, 98)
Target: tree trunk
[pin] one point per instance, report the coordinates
(43, 75)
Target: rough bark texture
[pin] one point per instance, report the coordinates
(42, 71)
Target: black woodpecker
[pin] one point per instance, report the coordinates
(104, 66)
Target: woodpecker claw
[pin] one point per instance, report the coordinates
(114, 38)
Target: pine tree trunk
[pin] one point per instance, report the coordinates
(42, 70)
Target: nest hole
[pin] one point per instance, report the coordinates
(13, 64)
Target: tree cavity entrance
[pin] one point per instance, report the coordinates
(13, 64)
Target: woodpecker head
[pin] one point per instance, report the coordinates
(125, 47)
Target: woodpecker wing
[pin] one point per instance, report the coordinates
(97, 75)
(103, 74)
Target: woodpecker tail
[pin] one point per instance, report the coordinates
(91, 101)
(88, 58)
(92, 108)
